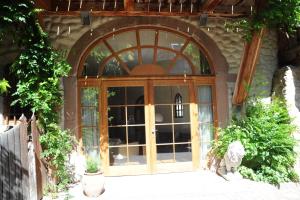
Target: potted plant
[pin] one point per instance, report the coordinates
(93, 179)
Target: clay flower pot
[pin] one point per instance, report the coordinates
(93, 184)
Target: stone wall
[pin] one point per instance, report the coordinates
(66, 31)
(287, 85)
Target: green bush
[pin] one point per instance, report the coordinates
(57, 145)
(92, 165)
(265, 131)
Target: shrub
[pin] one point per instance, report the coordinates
(92, 165)
(265, 131)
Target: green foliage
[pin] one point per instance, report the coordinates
(57, 144)
(283, 15)
(4, 85)
(39, 69)
(265, 132)
(92, 165)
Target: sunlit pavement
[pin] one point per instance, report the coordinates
(201, 185)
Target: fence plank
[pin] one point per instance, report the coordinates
(12, 166)
(18, 164)
(1, 164)
(5, 167)
(24, 157)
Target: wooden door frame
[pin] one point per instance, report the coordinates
(148, 83)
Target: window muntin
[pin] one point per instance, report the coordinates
(163, 48)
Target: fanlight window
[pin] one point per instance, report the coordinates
(132, 52)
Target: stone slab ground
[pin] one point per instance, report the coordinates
(201, 185)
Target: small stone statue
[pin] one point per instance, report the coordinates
(233, 156)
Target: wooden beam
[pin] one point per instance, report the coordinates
(140, 13)
(247, 67)
(129, 5)
(44, 4)
(210, 5)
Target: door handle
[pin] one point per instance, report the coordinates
(154, 131)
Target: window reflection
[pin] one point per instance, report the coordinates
(122, 40)
(170, 40)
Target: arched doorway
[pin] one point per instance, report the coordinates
(146, 136)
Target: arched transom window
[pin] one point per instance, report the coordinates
(145, 51)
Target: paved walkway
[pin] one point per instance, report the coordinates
(202, 185)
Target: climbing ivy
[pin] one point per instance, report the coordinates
(39, 69)
(283, 15)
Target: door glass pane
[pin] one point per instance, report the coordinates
(147, 55)
(165, 152)
(137, 155)
(130, 58)
(166, 94)
(117, 156)
(116, 96)
(113, 68)
(181, 67)
(182, 133)
(135, 115)
(185, 116)
(170, 40)
(123, 40)
(136, 135)
(135, 95)
(117, 136)
(164, 134)
(116, 116)
(163, 114)
(183, 152)
(147, 37)
(164, 57)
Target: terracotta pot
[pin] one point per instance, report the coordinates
(93, 184)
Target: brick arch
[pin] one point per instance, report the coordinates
(213, 52)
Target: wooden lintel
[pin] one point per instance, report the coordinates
(210, 5)
(247, 67)
(44, 4)
(140, 13)
(129, 5)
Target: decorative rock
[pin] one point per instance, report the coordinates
(233, 156)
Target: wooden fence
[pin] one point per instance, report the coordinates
(22, 174)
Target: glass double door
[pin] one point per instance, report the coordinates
(149, 127)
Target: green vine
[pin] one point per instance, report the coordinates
(283, 15)
(39, 69)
